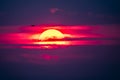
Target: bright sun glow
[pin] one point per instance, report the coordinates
(51, 34)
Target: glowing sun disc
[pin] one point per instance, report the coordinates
(51, 34)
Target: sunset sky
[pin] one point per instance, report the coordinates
(69, 12)
(59, 39)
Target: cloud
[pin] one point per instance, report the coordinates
(54, 10)
(62, 12)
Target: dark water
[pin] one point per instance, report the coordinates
(68, 63)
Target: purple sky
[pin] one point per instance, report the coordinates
(68, 12)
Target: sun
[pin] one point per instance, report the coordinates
(51, 34)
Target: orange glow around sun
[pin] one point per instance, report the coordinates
(51, 34)
(50, 37)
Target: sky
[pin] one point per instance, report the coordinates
(99, 63)
(67, 12)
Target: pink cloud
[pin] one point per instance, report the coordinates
(54, 10)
